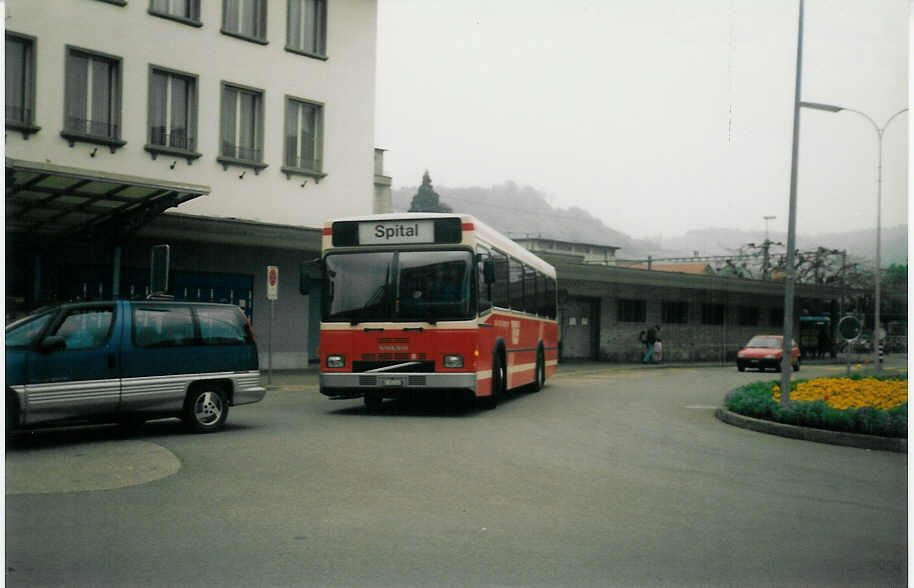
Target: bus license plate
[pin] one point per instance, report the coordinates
(392, 382)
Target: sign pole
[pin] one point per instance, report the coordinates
(272, 295)
(270, 346)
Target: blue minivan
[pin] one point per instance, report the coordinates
(130, 361)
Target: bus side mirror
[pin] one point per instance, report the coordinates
(488, 271)
(308, 271)
(304, 281)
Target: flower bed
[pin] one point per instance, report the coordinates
(872, 405)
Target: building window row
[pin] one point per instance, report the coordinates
(306, 21)
(92, 110)
(677, 312)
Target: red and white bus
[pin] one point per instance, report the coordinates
(416, 302)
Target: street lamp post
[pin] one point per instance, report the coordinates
(880, 131)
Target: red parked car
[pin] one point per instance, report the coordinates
(764, 351)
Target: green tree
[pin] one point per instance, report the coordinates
(426, 200)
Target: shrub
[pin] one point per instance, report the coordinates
(756, 400)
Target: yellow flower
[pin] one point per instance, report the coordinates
(843, 393)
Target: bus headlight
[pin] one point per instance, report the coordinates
(336, 361)
(453, 361)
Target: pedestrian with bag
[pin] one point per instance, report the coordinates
(649, 339)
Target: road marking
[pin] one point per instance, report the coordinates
(701, 407)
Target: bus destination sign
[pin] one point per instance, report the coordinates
(397, 232)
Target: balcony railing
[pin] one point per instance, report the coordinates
(93, 127)
(176, 139)
(18, 114)
(243, 153)
(302, 163)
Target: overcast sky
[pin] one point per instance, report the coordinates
(657, 116)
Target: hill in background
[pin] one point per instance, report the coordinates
(526, 212)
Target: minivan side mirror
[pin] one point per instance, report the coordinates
(52, 344)
(488, 271)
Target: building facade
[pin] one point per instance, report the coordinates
(232, 113)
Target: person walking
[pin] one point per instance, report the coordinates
(649, 339)
(658, 350)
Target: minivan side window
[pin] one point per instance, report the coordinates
(222, 326)
(163, 326)
(24, 333)
(85, 328)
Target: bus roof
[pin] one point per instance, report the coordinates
(483, 232)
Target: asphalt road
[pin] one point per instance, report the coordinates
(616, 477)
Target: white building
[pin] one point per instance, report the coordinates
(257, 111)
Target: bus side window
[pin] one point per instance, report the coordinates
(550, 298)
(541, 296)
(500, 287)
(516, 284)
(483, 290)
(530, 298)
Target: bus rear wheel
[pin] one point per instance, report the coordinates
(540, 380)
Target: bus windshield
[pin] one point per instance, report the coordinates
(424, 286)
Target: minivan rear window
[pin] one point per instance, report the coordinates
(222, 326)
(163, 326)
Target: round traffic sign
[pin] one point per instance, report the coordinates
(849, 328)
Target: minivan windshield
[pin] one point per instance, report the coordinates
(398, 286)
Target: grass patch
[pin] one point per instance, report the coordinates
(756, 400)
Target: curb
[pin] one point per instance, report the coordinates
(857, 440)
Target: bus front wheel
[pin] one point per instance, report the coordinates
(498, 382)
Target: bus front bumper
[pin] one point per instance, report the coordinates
(354, 385)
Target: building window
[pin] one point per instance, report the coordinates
(303, 138)
(92, 98)
(631, 311)
(246, 19)
(172, 113)
(20, 83)
(675, 312)
(186, 11)
(306, 29)
(748, 316)
(242, 127)
(712, 314)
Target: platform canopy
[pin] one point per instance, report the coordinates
(48, 201)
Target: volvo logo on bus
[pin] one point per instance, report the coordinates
(396, 232)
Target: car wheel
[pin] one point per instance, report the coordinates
(205, 410)
(796, 366)
(374, 401)
(740, 367)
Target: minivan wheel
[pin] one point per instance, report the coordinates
(206, 409)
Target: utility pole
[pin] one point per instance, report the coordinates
(787, 343)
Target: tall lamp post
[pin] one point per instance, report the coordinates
(880, 131)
